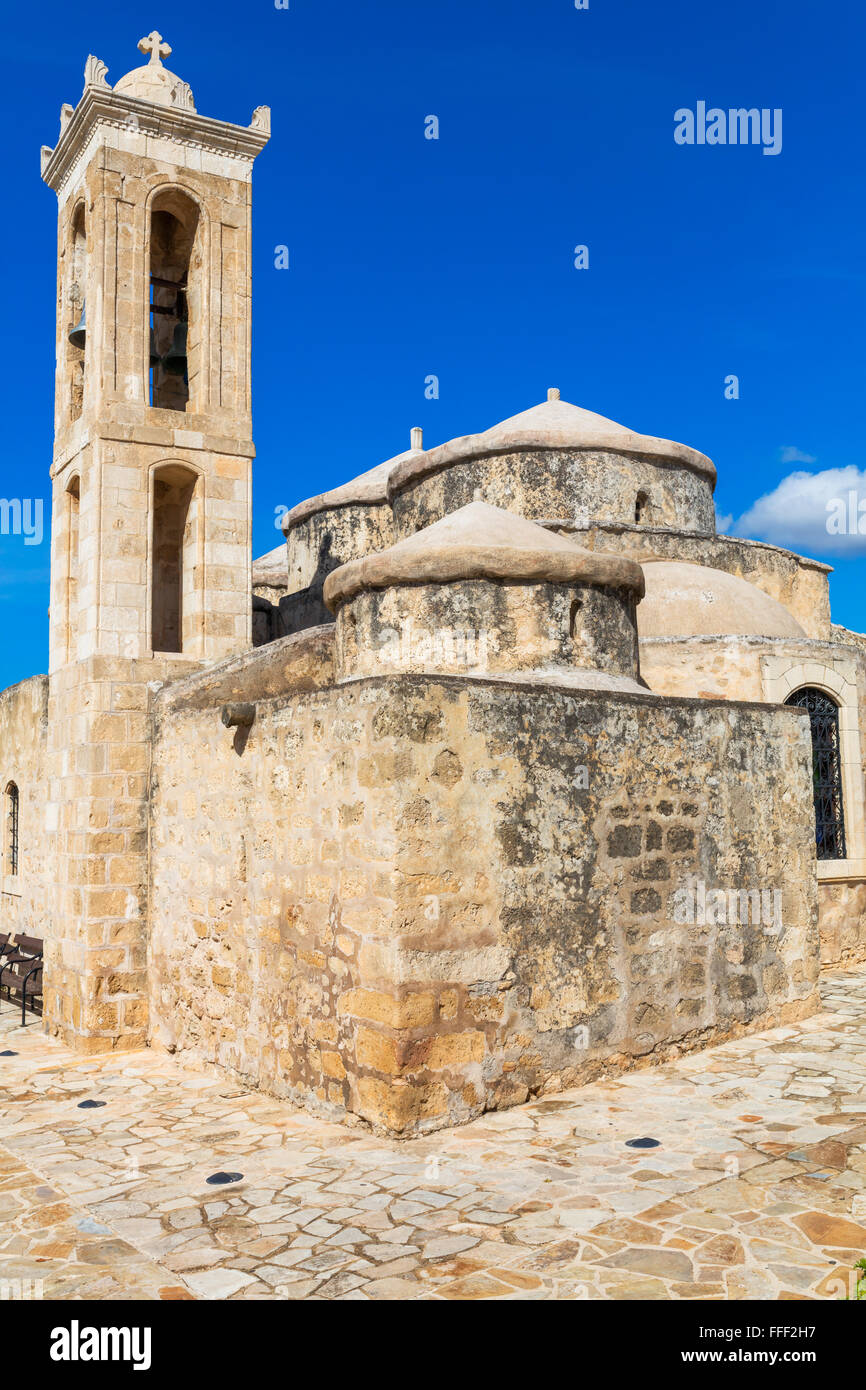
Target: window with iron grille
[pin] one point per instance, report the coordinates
(826, 771)
(12, 829)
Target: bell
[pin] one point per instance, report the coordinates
(78, 334)
(154, 355)
(174, 361)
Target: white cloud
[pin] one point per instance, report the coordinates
(791, 454)
(724, 522)
(813, 513)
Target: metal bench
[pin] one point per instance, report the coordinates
(7, 946)
(21, 968)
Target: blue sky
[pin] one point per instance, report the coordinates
(412, 257)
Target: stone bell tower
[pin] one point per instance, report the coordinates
(151, 479)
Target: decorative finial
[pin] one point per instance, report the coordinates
(94, 72)
(262, 119)
(553, 393)
(416, 438)
(155, 45)
(182, 96)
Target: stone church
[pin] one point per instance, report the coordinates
(503, 773)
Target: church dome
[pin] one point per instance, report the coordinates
(684, 600)
(537, 606)
(553, 424)
(482, 542)
(367, 489)
(153, 82)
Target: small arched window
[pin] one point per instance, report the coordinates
(641, 507)
(175, 575)
(11, 838)
(826, 770)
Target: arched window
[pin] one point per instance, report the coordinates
(76, 288)
(826, 770)
(174, 348)
(73, 504)
(10, 855)
(174, 570)
(641, 506)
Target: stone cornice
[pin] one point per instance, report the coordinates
(176, 440)
(500, 442)
(100, 106)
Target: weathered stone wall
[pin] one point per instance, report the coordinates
(321, 543)
(25, 896)
(555, 484)
(845, 637)
(711, 668)
(746, 668)
(842, 919)
(97, 761)
(329, 538)
(481, 625)
(416, 898)
(793, 580)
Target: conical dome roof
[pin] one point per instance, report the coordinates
(553, 424)
(688, 600)
(368, 488)
(153, 82)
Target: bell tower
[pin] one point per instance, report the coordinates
(151, 482)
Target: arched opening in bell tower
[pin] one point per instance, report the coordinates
(174, 569)
(76, 288)
(73, 508)
(174, 300)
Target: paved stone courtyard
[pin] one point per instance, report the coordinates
(757, 1188)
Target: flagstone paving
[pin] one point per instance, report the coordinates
(756, 1187)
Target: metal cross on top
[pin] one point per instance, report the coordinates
(156, 46)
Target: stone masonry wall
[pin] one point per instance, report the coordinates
(327, 539)
(557, 484)
(95, 809)
(414, 898)
(736, 668)
(319, 544)
(485, 626)
(711, 668)
(842, 908)
(25, 896)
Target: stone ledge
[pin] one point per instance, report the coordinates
(301, 662)
(100, 106)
